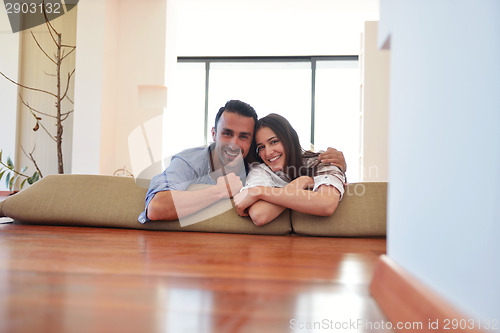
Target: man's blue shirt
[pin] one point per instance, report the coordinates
(190, 166)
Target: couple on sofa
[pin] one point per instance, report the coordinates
(257, 163)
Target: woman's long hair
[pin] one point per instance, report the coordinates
(294, 163)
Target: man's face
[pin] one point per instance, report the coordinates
(234, 135)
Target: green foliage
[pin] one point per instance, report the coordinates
(11, 175)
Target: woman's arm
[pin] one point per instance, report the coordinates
(263, 212)
(264, 204)
(323, 202)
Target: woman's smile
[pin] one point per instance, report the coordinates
(273, 159)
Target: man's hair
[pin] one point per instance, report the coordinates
(294, 164)
(238, 107)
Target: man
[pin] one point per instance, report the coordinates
(217, 165)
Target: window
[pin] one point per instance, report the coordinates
(318, 95)
(281, 87)
(337, 111)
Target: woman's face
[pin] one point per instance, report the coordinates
(270, 148)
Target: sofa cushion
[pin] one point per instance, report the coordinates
(116, 202)
(1, 204)
(361, 213)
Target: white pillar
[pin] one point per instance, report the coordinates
(444, 147)
(121, 47)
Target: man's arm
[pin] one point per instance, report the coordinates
(164, 207)
(334, 157)
(171, 205)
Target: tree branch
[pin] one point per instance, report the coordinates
(67, 85)
(20, 85)
(32, 159)
(32, 109)
(69, 99)
(40, 47)
(66, 115)
(47, 23)
(38, 122)
(46, 130)
(74, 48)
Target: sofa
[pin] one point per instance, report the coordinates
(116, 202)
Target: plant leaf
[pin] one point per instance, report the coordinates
(22, 184)
(11, 183)
(23, 169)
(10, 165)
(7, 180)
(1, 155)
(1, 174)
(33, 179)
(37, 126)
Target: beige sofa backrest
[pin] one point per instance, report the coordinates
(116, 202)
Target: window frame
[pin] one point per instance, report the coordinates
(311, 59)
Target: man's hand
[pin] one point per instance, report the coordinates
(334, 157)
(245, 199)
(302, 183)
(230, 185)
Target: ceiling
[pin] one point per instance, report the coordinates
(271, 27)
(282, 6)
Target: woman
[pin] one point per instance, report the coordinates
(287, 177)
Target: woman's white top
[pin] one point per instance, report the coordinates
(261, 175)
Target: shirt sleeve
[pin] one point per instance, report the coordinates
(177, 177)
(257, 176)
(330, 175)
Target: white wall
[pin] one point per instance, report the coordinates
(121, 46)
(9, 61)
(89, 63)
(444, 193)
(375, 103)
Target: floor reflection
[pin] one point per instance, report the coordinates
(183, 310)
(354, 269)
(335, 311)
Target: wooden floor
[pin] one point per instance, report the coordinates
(66, 279)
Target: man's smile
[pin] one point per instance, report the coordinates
(232, 153)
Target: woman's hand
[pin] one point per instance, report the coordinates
(245, 199)
(302, 183)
